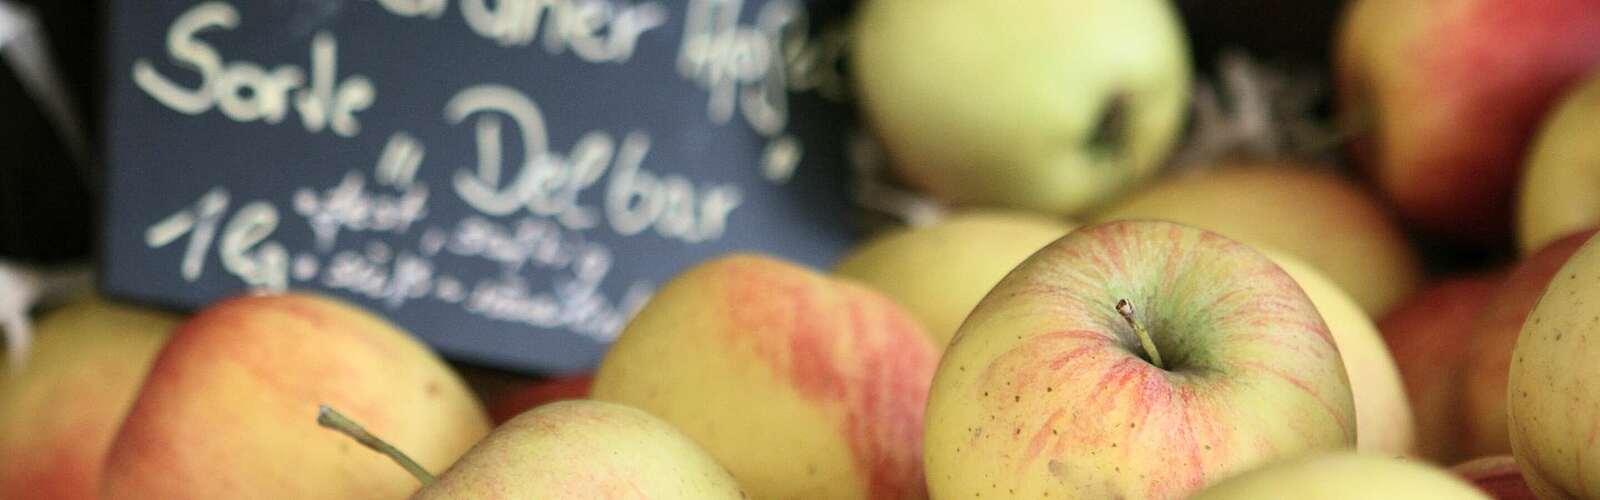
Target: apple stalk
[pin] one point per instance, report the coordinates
(1125, 308)
(332, 419)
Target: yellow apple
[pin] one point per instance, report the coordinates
(579, 450)
(1344, 476)
(1560, 191)
(1553, 402)
(1384, 423)
(941, 271)
(59, 414)
(1494, 336)
(1299, 211)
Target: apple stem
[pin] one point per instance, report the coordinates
(332, 419)
(1126, 310)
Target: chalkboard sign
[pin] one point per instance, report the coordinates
(509, 179)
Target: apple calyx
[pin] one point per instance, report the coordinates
(1110, 134)
(1125, 308)
(332, 419)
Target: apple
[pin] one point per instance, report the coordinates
(1449, 93)
(1494, 337)
(802, 385)
(1048, 105)
(1383, 414)
(585, 449)
(1499, 476)
(61, 411)
(1341, 476)
(566, 449)
(226, 410)
(1429, 336)
(1552, 400)
(1295, 208)
(970, 250)
(534, 394)
(1560, 191)
(1133, 359)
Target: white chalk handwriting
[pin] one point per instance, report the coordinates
(246, 92)
(539, 211)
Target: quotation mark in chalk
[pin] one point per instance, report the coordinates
(397, 165)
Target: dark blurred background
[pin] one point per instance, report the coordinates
(46, 206)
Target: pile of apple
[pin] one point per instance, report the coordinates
(1085, 325)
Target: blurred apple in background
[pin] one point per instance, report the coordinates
(802, 385)
(1344, 476)
(941, 271)
(533, 394)
(1449, 93)
(59, 414)
(229, 407)
(585, 449)
(1494, 337)
(1499, 476)
(1049, 105)
(1561, 189)
(1138, 359)
(1553, 402)
(1429, 336)
(1383, 414)
(1325, 220)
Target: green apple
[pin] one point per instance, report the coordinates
(1344, 476)
(1050, 105)
(802, 385)
(59, 413)
(971, 251)
(1383, 414)
(1134, 359)
(1552, 400)
(1295, 208)
(1560, 191)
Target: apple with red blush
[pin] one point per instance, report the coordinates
(802, 385)
(1429, 336)
(1499, 476)
(538, 393)
(1134, 359)
(1448, 95)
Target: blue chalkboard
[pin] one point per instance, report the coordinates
(508, 179)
